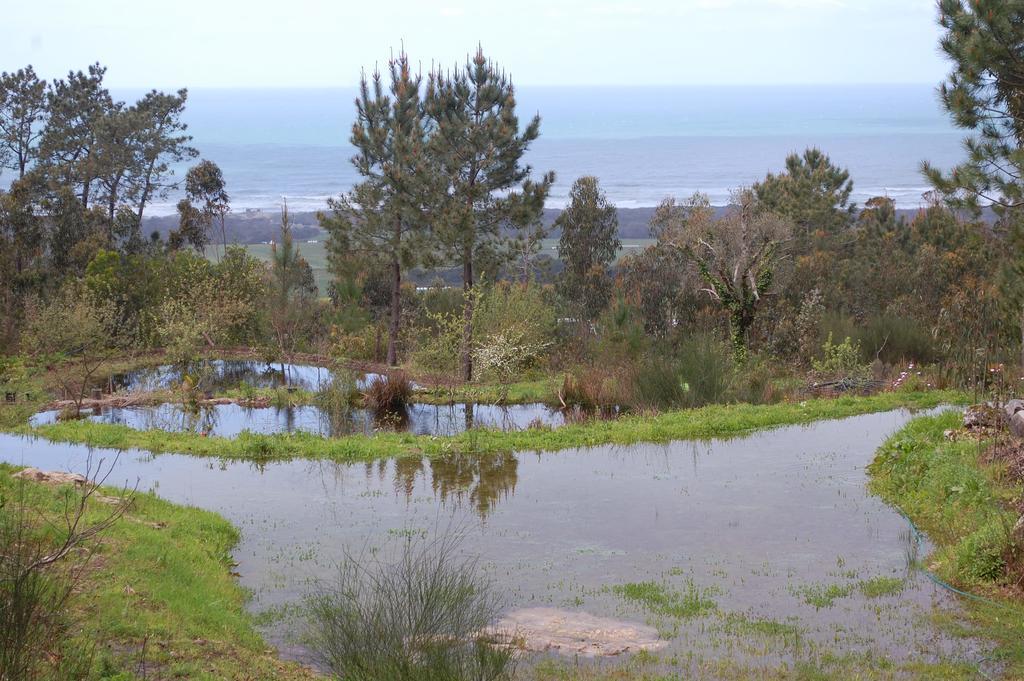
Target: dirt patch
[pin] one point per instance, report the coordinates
(574, 633)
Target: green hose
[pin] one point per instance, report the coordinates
(918, 538)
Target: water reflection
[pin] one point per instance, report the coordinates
(230, 420)
(227, 374)
(479, 480)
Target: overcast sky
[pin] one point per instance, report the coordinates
(252, 43)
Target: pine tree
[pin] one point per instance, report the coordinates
(291, 290)
(22, 112)
(588, 245)
(984, 93)
(484, 186)
(813, 193)
(383, 216)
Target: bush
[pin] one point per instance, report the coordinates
(390, 392)
(506, 355)
(705, 368)
(842, 360)
(421, 617)
(336, 396)
(597, 388)
(41, 563)
(657, 385)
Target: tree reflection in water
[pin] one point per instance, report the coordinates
(481, 480)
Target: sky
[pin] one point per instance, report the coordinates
(310, 43)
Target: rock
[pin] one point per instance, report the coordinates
(1017, 424)
(1013, 406)
(50, 477)
(573, 633)
(1018, 530)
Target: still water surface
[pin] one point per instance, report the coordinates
(755, 523)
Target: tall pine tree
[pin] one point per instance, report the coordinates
(984, 93)
(484, 186)
(383, 216)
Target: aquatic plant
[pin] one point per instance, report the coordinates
(335, 396)
(389, 392)
(420, 616)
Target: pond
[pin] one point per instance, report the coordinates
(775, 533)
(229, 420)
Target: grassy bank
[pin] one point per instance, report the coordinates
(963, 501)
(706, 422)
(158, 600)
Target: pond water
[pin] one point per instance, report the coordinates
(229, 420)
(226, 374)
(763, 528)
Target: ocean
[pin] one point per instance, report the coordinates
(643, 143)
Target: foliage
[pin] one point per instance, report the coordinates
(812, 193)
(983, 39)
(587, 246)
(389, 392)
(382, 217)
(420, 615)
(205, 204)
(841, 360)
(74, 334)
(477, 150)
(705, 369)
(291, 294)
(41, 564)
(736, 255)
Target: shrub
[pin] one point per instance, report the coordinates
(842, 360)
(600, 388)
(41, 562)
(657, 385)
(422, 616)
(436, 345)
(509, 353)
(389, 392)
(705, 368)
(335, 396)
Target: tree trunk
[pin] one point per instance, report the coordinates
(396, 311)
(467, 319)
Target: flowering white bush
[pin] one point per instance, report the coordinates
(508, 353)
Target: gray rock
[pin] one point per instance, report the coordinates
(1013, 406)
(50, 477)
(1017, 424)
(1018, 530)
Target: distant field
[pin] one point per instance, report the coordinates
(316, 255)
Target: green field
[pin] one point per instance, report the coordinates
(316, 255)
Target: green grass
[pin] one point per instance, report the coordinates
(522, 392)
(877, 587)
(660, 599)
(736, 624)
(823, 595)
(161, 576)
(963, 504)
(706, 422)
